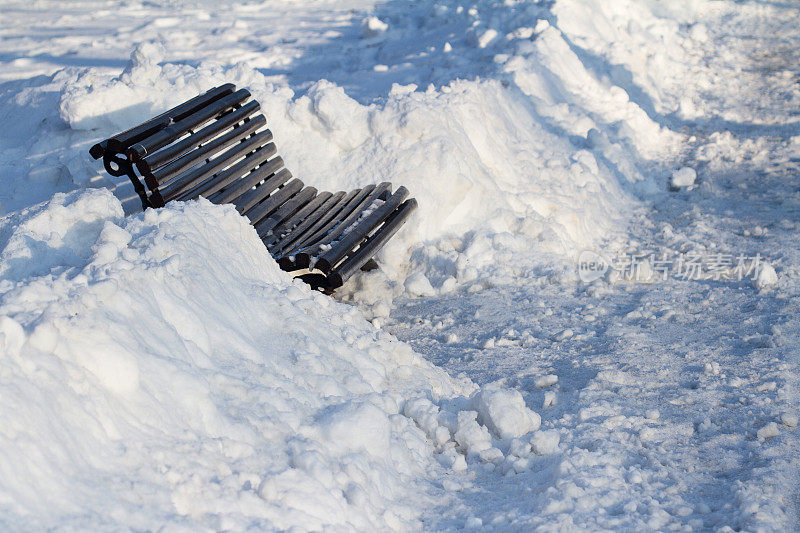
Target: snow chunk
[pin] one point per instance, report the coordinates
(486, 38)
(652, 414)
(699, 32)
(768, 431)
(418, 285)
(546, 381)
(473, 523)
(767, 277)
(504, 412)
(471, 437)
(616, 377)
(545, 442)
(12, 336)
(373, 27)
(354, 426)
(683, 177)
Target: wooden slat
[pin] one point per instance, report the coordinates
(177, 129)
(246, 183)
(273, 202)
(165, 155)
(219, 181)
(290, 207)
(348, 241)
(312, 250)
(317, 217)
(288, 249)
(375, 242)
(195, 175)
(121, 141)
(307, 213)
(182, 166)
(252, 197)
(345, 211)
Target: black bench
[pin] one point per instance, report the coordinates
(215, 145)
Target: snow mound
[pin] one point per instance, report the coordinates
(530, 148)
(168, 349)
(493, 180)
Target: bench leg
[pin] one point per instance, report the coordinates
(117, 166)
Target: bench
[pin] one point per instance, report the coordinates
(216, 145)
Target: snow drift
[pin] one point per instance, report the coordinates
(161, 369)
(532, 164)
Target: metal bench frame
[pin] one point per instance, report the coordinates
(215, 145)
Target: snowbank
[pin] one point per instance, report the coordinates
(495, 187)
(168, 350)
(539, 160)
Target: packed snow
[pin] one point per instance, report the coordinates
(158, 371)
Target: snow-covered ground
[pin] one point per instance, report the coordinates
(159, 370)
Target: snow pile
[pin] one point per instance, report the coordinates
(766, 277)
(541, 159)
(536, 161)
(642, 46)
(495, 186)
(168, 350)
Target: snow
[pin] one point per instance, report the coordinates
(504, 412)
(168, 342)
(768, 431)
(789, 420)
(373, 27)
(683, 177)
(158, 371)
(766, 277)
(545, 442)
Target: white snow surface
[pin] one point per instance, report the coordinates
(159, 372)
(168, 350)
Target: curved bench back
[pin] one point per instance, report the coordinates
(216, 145)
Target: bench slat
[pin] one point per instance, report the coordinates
(336, 218)
(215, 183)
(289, 208)
(315, 220)
(177, 129)
(361, 231)
(317, 230)
(185, 164)
(271, 203)
(285, 228)
(314, 247)
(370, 247)
(169, 153)
(120, 142)
(252, 197)
(246, 183)
(198, 173)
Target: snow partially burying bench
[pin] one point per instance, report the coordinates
(215, 145)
